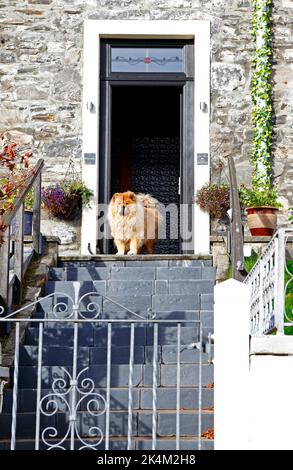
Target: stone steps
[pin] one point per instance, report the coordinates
(139, 443)
(62, 355)
(160, 287)
(205, 316)
(97, 336)
(142, 399)
(142, 375)
(132, 273)
(141, 423)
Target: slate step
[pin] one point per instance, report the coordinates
(143, 287)
(143, 260)
(141, 423)
(131, 307)
(90, 335)
(134, 272)
(205, 316)
(142, 398)
(116, 444)
(63, 355)
(142, 375)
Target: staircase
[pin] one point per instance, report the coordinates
(164, 288)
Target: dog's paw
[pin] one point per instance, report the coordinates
(120, 253)
(132, 253)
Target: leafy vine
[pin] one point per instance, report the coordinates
(261, 94)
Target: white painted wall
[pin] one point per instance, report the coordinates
(252, 394)
(231, 365)
(271, 392)
(93, 31)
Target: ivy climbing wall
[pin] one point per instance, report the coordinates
(261, 93)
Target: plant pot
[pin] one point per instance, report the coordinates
(27, 223)
(262, 221)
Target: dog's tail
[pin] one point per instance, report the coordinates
(147, 200)
(150, 202)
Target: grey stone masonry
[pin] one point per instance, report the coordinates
(41, 57)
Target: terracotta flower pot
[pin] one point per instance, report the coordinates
(262, 221)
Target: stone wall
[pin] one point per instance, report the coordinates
(41, 75)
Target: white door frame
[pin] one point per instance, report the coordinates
(94, 30)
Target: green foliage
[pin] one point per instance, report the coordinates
(15, 173)
(289, 299)
(29, 200)
(214, 199)
(252, 197)
(79, 188)
(65, 199)
(291, 215)
(261, 93)
(249, 263)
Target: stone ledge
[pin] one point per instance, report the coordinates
(247, 239)
(51, 239)
(133, 257)
(280, 345)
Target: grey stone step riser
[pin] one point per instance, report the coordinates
(205, 316)
(116, 444)
(131, 273)
(141, 424)
(142, 399)
(119, 355)
(131, 263)
(142, 375)
(141, 304)
(120, 336)
(103, 287)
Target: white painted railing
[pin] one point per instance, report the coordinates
(268, 289)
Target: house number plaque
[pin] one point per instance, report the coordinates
(89, 158)
(202, 158)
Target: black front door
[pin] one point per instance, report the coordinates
(146, 145)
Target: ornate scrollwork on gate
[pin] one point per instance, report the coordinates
(64, 399)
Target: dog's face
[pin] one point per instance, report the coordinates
(123, 204)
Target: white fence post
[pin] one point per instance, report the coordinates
(231, 361)
(280, 262)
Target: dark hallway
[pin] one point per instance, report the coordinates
(146, 146)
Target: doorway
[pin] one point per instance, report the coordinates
(145, 149)
(146, 130)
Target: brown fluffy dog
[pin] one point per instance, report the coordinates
(134, 220)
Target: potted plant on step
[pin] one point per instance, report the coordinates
(261, 207)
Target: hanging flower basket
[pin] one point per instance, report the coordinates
(65, 200)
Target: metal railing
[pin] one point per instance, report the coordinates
(73, 387)
(11, 278)
(269, 282)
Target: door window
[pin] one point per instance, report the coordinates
(147, 60)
